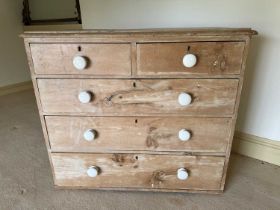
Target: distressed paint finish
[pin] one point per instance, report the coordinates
(139, 97)
(102, 59)
(130, 83)
(138, 134)
(213, 58)
(138, 171)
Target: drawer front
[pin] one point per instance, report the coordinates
(69, 134)
(212, 58)
(99, 59)
(138, 97)
(137, 171)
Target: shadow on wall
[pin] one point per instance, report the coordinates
(250, 78)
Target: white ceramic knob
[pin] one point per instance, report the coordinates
(184, 135)
(89, 135)
(92, 171)
(189, 60)
(85, 97)
(184, 99)
(182, 174)
(79, 62)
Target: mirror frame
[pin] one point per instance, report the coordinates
(26, 18)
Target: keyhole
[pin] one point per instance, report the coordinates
(189, 47)
(134, 84)
(136, 121)
(79, 48)
(136, 157)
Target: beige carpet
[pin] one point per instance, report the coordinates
(26, 181)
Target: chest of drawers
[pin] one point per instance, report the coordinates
(150, 110)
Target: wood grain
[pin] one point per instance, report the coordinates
(103, 59)
(214, 58)
(234, 118)
(109, 33)
(138, 97)
(137, 171)
(132, 81)
(138, 134)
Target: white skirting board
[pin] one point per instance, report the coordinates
(14, 88)
(244, 144)
(257, 147)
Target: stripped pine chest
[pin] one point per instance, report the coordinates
(150, 110)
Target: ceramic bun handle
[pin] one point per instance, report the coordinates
(184, 99)
(184, 135)
(182, 174)
(89, 135)
(189, 60)
(80, 62)
(93, 171)
(85, 97)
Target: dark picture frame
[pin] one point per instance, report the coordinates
(26, 18)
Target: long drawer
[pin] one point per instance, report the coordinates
(212, 58)
(102, 97)
(96, 134)
(137, 171)
(85, 59)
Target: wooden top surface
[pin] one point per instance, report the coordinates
(166, 31)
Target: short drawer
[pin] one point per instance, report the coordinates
(107, 134)
(211, 58)
(86, 59)
(137, 171)
(101, 97)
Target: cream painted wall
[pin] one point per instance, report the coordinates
(260, 104)
(13, 68)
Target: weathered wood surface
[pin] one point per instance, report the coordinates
(213, 58)
(103, 59)
(138, 134)
(137, 171)
(234, 118)
(138, 97)
(58, 96)
(141, 32)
